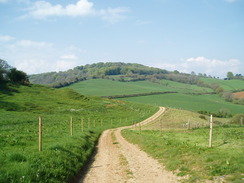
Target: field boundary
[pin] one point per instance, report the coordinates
(138, 94)
(153, 93)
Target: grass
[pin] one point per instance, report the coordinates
(175, 118)
(186, 152)
(186, 98)
(102, 87)
(63, 155)
(227, 85)
(212, 103)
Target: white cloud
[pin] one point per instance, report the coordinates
(35, 57)
(114, 15)
(29, 43)
(141, 22)
(213, 67)
(44, 9)
(69, 57)
(6, 38)
(33, 66)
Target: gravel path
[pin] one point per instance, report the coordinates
(118, 161)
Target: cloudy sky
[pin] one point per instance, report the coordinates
(204, 36)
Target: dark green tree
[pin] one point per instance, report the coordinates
(17, 76)
(230, 75)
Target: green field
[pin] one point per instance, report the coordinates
(63, 155)
(103, 87)
(182, 99)
(227, 85)
(212, 103)
(186, 152)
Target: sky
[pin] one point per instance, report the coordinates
(204, 36)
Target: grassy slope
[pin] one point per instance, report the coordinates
(196, 103)
(227, 85)
(102, 87)
(63, 155)
(187, 152)
(214, 103)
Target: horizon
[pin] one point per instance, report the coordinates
(50, 36)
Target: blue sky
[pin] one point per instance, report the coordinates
(204, 36)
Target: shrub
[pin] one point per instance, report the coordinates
(236, 119)
(202, 117)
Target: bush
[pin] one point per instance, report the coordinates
(236, 119)
(202, 117)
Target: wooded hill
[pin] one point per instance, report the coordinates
(124, 72)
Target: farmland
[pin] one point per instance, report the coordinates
(186, 152)
(227, 85)
(186, 97)
(63, 155)
(195, 103)
(102, 87)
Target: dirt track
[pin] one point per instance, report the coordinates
(119, 161)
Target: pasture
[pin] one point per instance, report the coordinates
(227, 85)
(186, 152)
(63, 155)
(103, 87)
(212, 103)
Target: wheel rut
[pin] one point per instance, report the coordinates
(117, 161)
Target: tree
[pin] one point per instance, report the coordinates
(230, 75)
(4, 68)
(17, 76)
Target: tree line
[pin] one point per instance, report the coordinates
(124, 72)
(8, 73)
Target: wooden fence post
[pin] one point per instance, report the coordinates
(161, 127)
(40, 133)
(71, 126)
(140, 127)
(211, 131)
(189, 124)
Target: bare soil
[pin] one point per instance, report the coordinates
(238, 95)
(117, 161)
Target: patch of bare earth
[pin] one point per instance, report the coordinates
(238, 95)
(118, 160)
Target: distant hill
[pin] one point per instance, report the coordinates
(119, 71)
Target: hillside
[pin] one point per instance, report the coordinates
(124, 72)
(103, 87)
(63, 154)
(227, 85)
(186, 96)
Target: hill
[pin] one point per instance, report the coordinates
(103, 87)
(227, 85)
(185, 96)
(63, 154)
(124, 72)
